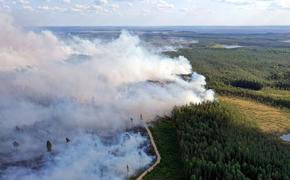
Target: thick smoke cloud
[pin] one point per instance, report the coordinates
(87, 157)
(88, 91)
(26, 49)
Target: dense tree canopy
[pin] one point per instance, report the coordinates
(217, 144)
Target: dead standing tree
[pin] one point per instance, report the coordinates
(48, 146)
(128, 171)
(131, 122)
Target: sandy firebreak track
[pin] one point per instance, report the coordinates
(156, 152)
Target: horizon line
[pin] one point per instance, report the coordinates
(160, 26)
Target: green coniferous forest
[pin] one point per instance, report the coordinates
(216, 143)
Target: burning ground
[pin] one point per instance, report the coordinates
(80, 96)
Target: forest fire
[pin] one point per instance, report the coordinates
(69, 119)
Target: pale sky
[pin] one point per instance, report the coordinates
(147, 12)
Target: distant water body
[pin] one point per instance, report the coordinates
(231, 46)
(286, 137)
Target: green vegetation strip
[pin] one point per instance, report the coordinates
(170, 167)
(259, 96)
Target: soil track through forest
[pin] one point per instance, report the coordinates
(156, 152)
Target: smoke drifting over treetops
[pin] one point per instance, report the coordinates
(53, 88)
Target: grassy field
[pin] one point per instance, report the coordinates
(285, 94)
(170, 166)
(267, 118)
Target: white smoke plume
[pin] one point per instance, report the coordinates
(52, 89)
